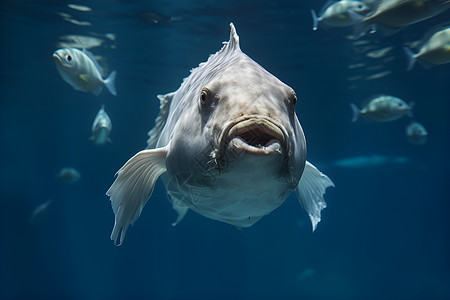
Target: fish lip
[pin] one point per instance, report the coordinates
(232, 136)
(58, 58)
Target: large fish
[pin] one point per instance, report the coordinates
(227, 144)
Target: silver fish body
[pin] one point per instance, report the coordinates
(416, 133)
(227, 144)
(80, 69)
(337, 13)
(69, 175)
(101, 127)
(399, 13)
(383, 108)
(434, 51)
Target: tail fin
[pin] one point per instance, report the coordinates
(315, 19)
(110, 83)
(411, 58)
(310, 191)
(360, 27)
(355, 111)
(410, 113)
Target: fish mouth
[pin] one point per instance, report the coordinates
(256, 135)
(57, 59)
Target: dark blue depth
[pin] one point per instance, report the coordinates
(384, 235)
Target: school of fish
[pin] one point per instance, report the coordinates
(228, 144)
(388, 17)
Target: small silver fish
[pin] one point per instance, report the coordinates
(39, 213)
(69, 175)
(416, 133)
(434, 51)
(335, 13)
(81, 70)
(101, 127)
(383, 108)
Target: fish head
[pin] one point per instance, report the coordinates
(238, 137)
(66, 60)
(101, 127)
(398, 107)
(102, 121)
(250, 114)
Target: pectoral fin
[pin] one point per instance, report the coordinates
(132, 187)
(85, 77)
(310, 191)
(181, 212)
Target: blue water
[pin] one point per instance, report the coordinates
(384, 235)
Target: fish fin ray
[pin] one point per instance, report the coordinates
(233, 43)
(310, 191)
(411, 58)
(181, 212)
(133, 186)
(85, 77)
(356, 112)
(110, 83)
(160, 121)
(315, 19)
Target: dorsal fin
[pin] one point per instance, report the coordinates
(326, 5)
(234, 38)
(160, 121)
(233, 43)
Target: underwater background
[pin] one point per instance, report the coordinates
(384, 235)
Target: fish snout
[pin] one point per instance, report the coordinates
(254, 135)
(57, 58)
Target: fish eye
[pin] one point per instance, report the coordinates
(293, 100)
(205, 97)
(68, 57)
